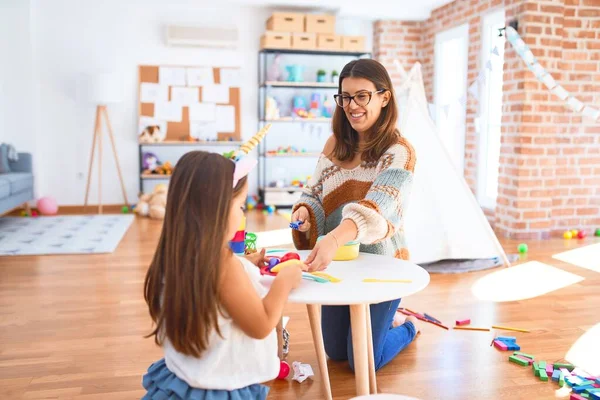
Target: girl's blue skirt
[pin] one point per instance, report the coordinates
(162, 384)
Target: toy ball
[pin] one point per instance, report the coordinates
(125, 210)
(34, 213)
(290, 256)
(250, 206)
(284, 370)
(24, 214)
(597, 233)
(265, 212)
(522, 248)
(47, 206)
(273, 262)
(568, 235)
(270, 209)
(574, 232)
(581, 235)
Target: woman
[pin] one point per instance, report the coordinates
(358, 192)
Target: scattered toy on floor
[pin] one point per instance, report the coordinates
(461, 322)
(284, 370)
(154, 204)
(522, 248)
(568, 235)
(301, 371)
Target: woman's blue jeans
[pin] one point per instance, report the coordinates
(387, 341)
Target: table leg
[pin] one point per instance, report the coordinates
(358, 321)
(314, 316)
(372, 377)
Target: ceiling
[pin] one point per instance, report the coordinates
(367, 9)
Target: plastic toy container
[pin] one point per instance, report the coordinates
(347, 252)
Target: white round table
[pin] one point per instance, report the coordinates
(358, 295)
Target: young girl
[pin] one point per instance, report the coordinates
(213, 319)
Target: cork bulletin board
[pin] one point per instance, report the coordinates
(190, 103)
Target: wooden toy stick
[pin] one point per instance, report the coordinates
(468, 328)
(506, 328)
(373, 280)
(435, 323)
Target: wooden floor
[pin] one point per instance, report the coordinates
(72, 327)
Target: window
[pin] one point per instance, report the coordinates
(450, 84)
(490, 118)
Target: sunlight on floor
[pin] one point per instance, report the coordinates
(585, 353)
(585, 257)
(524, 281)
(277, 237)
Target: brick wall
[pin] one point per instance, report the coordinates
(397, 40)
(549, 177)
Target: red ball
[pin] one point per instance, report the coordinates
(290, 256)
(34, 213)
(284, 370)
(581, 234)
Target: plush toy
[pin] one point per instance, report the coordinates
(154, 204)
(149, 162)
(151, 134)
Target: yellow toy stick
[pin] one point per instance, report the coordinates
(255, 140)
(507, 328)
(468, 328)
(287, 263)
(373, 280)
(330, 278)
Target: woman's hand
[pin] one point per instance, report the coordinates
(322, 254)
(258, 258)
(301, 214)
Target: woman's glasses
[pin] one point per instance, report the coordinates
(361, 98)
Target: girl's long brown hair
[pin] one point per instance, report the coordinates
(384, 132)
(182, 281)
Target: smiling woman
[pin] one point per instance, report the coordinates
(358, 193)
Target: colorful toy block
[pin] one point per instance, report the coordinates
(528, 360)
(518, 353)
(555, 375)
(575, 396)
(518, 360)
(239, 236)
(238, 247)
(543, 375)
(505, 339)
(595, 396)
(542, 365)
(462, 322)
(500, 345)
(581, 388)
(561, 379)
(568, 366)
(549, 369)
(513, 347)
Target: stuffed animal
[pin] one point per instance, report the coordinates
(152, 134)
(154, 204)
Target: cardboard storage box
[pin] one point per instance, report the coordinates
(353, 43)
(320, 24)
(329, 42)
(286, 22)
(304, 41)
(276, 40)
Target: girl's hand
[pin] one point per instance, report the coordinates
(258, 258)
(322, 254)
(301, 214)
(292, 275)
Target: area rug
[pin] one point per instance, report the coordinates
(460, 266)
(76, 234)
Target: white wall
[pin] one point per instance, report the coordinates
(71, 38)
(16, 88)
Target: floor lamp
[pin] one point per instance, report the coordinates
(103, 89)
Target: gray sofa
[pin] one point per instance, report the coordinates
(16, 186)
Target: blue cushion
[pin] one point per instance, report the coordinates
(4, 167)
(4, 188)
(19, 182)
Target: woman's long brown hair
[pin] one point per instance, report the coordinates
(182, 281)
(384, 132)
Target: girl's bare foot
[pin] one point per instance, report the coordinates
(414, 320)
(399, 319)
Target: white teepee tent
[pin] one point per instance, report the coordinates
(443, 219)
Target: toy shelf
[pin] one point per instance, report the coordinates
(300, 85)
(316, 52)
(154, 176)
(292, 119)
(190, 143)
(287, 196)
(291, 154)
